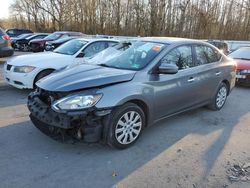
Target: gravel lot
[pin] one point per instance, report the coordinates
(193, 149)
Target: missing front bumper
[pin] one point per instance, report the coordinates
(85, 125)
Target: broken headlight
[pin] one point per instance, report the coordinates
(76, 102)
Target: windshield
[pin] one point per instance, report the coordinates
(242, 53)
(53, 36)
(130, 55)
(64, 39)
(71, 47)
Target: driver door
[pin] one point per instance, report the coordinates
(176, 92)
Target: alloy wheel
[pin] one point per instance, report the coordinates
(221, 97)
(128, 127)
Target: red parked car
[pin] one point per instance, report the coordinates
(38, 45)
(242, 57)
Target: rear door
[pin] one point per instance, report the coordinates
(207, 67)
(176, 92)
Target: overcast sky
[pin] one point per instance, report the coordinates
(4, 8)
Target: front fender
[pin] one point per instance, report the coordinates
(119, 94)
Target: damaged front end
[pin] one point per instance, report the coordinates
(83, 125)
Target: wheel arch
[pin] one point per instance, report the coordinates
(44, 70)
(228, 85)
(142, 104)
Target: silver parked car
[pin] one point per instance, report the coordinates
(129, 87)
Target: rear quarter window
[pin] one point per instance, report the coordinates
(206, 54)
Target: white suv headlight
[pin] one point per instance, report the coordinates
(23, 69)
(76, 102)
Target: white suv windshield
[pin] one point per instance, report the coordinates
(71, 47)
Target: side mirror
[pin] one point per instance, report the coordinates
(168, 69)
(80, 55)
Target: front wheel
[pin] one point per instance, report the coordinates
(220, 98)
(25, 48)
(126, 125)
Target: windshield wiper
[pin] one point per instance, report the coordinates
(104, 65)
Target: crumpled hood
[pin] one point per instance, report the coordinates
(84, 76)
(243, 64)
(39, 59)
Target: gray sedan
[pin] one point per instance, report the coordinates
(129, 87)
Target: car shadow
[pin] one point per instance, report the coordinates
(31, 158)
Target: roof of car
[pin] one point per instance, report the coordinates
(245, 47)
(95, 39)
(66, 32)
(167, 40)
(41, 33)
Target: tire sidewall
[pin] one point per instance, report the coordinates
(115, 116)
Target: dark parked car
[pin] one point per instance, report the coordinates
(23, 44)
(22, 36)
(17, 32)
(242, 58)
(38, 45)
(132, 86)
(221, 45)
(5, 47)
(51, 45)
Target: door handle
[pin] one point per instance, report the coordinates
(191, 79)
(217, 73)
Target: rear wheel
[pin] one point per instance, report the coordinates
(25, 48)
(126, 125)
(42, 75)
(220, 98)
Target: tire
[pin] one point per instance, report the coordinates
(25, 48)
(125, 126)
(220, 97)
(41, 75)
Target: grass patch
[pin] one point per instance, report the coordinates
(2, 61)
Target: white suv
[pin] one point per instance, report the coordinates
(24, 71)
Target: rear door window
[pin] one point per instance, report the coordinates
(110, 44)
(181, 56)
(206, 54)
(94, 48)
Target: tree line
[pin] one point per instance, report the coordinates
(210, 19)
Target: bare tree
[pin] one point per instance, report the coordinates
(224, 19)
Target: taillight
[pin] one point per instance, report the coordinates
(6, 37)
